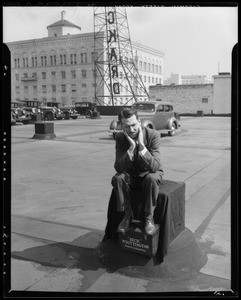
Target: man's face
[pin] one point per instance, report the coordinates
(131, 126)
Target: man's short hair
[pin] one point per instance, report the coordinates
(127, 113)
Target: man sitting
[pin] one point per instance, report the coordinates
(138, 165)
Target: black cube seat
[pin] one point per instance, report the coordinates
(169, 214)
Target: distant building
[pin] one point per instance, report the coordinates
(210, 98)
(187, 79)
(60, 67)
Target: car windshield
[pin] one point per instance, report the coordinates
(147, 107)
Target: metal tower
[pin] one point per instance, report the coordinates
(117, 80)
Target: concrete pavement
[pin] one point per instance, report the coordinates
(60, 193)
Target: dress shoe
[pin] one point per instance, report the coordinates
(125, 223)
(149, 226)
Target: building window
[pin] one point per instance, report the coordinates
(149, 79)
(73, 58)
(144, 78)
(83, 58)
(83, 73)
(204, 100)
(44, 88)
(63, 87)
(63, 59)
(152, 79)
(44, 100)
(53, 88)
(53, 73)
(140, 65)
(25, 89)
(43, 75)
(63, 74)
(144, 66)
(53, 60)
(43, 60)
(73, 87)
(93, 56)
(34, 61)
(160, 69)
(35, 89)
(17, 77)
(17, 89)
(73, 73)
(53, 99)
(84, 85)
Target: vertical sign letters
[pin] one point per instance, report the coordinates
(111, 39)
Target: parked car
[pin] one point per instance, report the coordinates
(69, 112)
(86, 109)
(13, 120)
(19, 114)
(158, 115)
(32, 108)
(51, 113)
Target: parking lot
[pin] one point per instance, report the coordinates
(60, 192)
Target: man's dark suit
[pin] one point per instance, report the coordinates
(145, 171)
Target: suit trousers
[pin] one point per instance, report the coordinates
(149, 184)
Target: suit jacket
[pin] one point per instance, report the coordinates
(142, 164)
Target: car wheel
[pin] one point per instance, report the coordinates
(74, 118)
(173, 129)
(49, 116)
(88, 114)
(66, 116)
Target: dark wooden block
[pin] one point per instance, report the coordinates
(44, 128)
(169, 213)
(136, 240)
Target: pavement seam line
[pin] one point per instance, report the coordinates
(202, 227)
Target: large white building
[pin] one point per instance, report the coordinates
(60, 67)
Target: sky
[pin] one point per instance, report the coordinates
(195, 40)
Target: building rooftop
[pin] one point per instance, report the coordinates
(63, 23)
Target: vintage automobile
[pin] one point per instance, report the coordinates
(86, 109)
(51, 113)
(13, 119)
(69, 112)
(32, 109)
(19, 114)
(157, 115)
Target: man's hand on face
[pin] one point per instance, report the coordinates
(140, 139)
(131, 141)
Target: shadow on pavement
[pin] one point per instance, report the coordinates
(63, 254)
